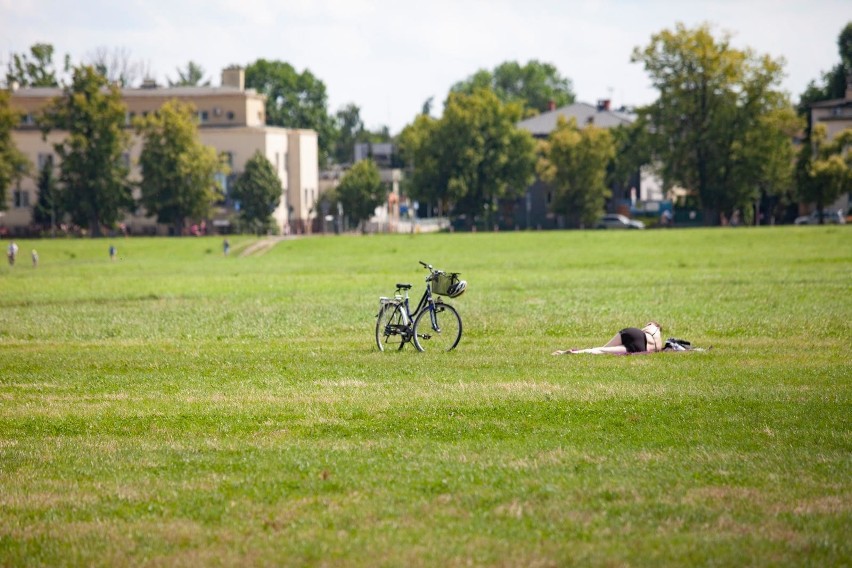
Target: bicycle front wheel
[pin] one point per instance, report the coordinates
(391, 332)
(441, 337)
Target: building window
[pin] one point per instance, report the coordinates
(202, 116)
(27, 120)
(228, 157)
(44, 159)
(21, 198)
(230, 115)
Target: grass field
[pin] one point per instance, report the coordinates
(179, 408)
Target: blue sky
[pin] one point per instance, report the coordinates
(389, 57)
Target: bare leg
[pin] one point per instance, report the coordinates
(613, 346)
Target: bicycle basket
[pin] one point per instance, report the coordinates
(441, 282)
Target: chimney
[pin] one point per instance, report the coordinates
(603, 104)
(551, 105)
(234, 76)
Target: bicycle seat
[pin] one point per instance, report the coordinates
(403, 286)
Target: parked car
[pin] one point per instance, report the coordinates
(835, 217)
(614, 221)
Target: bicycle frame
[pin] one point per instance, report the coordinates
(427, 300)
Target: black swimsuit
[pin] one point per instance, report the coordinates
(634, 339)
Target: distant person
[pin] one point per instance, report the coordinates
(226, 247)
(628, 340)
(112, 252)
(34, 256)
(666, 218)
(12, 253)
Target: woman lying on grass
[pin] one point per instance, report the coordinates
(628, 340)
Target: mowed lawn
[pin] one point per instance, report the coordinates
(181, 408)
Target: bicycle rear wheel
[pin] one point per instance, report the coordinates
(448, 334)
(391, 332)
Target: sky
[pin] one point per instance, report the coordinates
(389, 57)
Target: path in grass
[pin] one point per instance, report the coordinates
(263, 245)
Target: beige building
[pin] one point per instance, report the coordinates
(231, 120)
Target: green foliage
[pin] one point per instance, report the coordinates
(258, 189)
(714, 102)
(178, 172)
(574, 161)
(13, 163)
(824, 168)
(294, 100)
(94, 169)
(633, 150)
(48, 209)
(361, 191)
(472, 156)
(178, 407)
(535, 85)
(350, 130)
(192, 76)
(835, 81)
(35, 71)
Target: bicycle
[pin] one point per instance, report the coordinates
(433, 324)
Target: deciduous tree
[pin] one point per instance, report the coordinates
(178, 172)
(13, 164)
(472, 156)
(258, 190)
(714, 103)
(293, 100)
(361, 191)
(93, 155)
(117, 66)
(48, 209)
(824, 169)
(536, 85)
(834, 82)
(191, 76)
(574, 162)
(34, 70)
(350, 130)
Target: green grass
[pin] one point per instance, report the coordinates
(177, 407)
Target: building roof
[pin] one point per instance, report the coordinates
(545, 123)
(50, 92)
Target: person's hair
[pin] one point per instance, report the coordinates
(652, 322)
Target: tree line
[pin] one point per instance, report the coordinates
(720, 127)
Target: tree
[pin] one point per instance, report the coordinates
(13, 164)
(48, 207)
(37, 71)
(258, 189)
(361, 191)
(93, 156)
(632, 151)
(472, 157)
(824, 169)
(117, 67)
(192, 76)
(835, 81)
(714, 102)
(574, 162)
(293, 100)
(350, 130)
(536, 85)
(178, 171)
